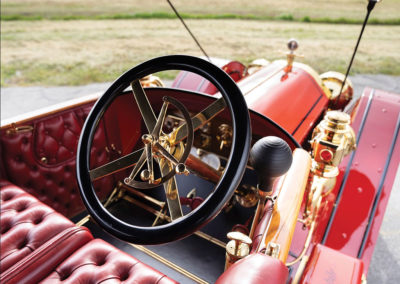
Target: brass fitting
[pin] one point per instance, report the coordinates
(332, 140)
(237, 248)
(292, 45)
(224, 136)
(151, 81)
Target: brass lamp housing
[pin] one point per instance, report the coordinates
(333, 81)
(332, 140)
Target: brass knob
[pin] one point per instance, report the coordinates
(237, 248)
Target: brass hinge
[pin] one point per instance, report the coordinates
(18, 129)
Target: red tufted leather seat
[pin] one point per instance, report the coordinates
(37, 265)
(42, 161)
(26, 224)
(99, 262)
(35, 240)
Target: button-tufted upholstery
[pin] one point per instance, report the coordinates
(37, 265)
(35, 240)
(42, 161)
(99, 262)
(26, 224)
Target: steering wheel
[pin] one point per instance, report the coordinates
(158, 147)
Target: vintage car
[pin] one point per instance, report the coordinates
(266, 173)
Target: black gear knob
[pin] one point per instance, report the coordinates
(270, 157)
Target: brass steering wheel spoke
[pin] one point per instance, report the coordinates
(116, 165)
(160, 120)
(129, 180)
(144, 106)
(158, 147)
(198, 120)
(171, 191)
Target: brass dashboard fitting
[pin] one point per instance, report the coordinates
(332, 139)
(151, 81)
(247, 196)
(237, 248)
(224, 136)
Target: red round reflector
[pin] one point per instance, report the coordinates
(326, 155)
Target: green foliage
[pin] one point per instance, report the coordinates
(166, 15)
(286, 17)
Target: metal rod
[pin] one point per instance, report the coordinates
(187, 28)
(169, 263)
(371, 5)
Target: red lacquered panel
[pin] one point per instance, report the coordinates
(294, 102)
(193, 82)
(373, 168)
(256, 268)
(329, 266)
(356, 119)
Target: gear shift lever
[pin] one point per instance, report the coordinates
(271, 157)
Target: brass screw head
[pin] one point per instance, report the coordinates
(147, 138)
(181, 169)
(145, 175)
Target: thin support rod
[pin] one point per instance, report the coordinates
(371, 5)
(187, 28)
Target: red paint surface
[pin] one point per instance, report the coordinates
(329, 266)
(363, 181)
(294, 103)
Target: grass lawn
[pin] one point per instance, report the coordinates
(295, 9)
(75, 52)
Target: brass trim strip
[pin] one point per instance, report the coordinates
(211, 239)
(160, 214)
(83, 220)
(160, 204)
(169, 263)
(48, 110)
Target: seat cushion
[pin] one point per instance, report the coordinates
(100, 262)
(40, 263)
(26, 224)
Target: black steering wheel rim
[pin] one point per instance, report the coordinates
(231, 178)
